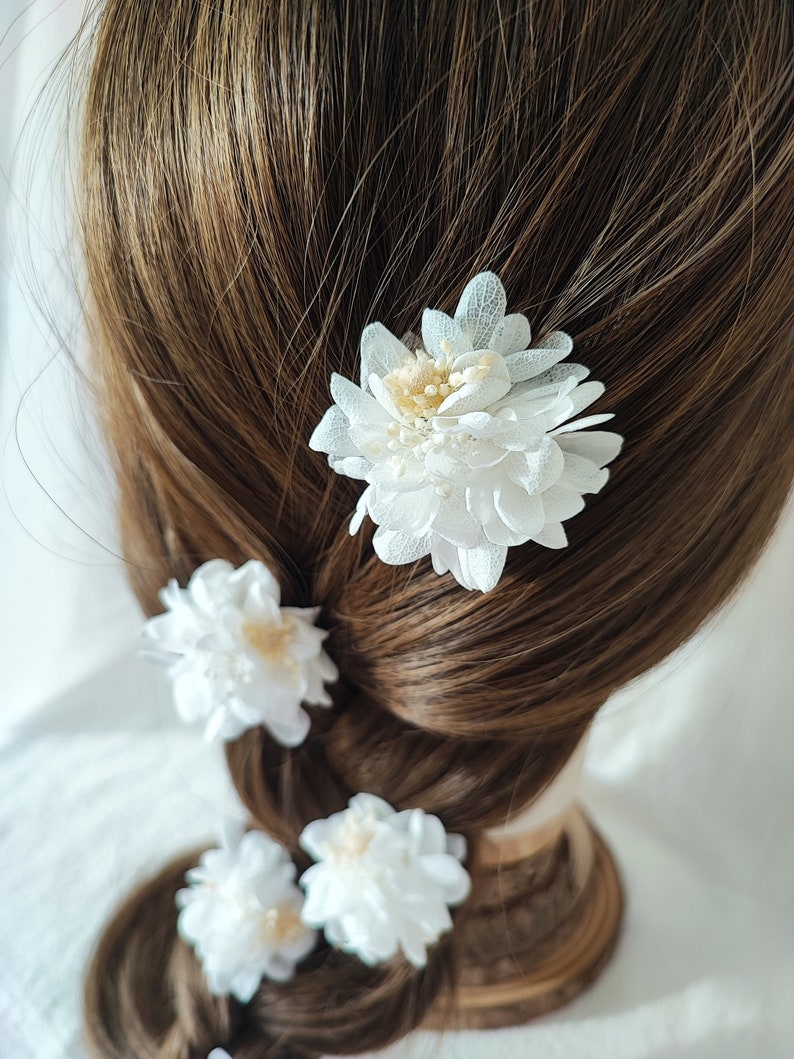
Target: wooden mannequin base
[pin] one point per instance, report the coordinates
(572, 932)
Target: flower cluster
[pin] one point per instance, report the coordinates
(238, 659)
(469, 443)
(384, 882)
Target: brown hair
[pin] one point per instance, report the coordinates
(263, 179)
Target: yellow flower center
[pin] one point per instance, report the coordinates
(280, 925)
(421, 383)
(353, 838)
(271, 641)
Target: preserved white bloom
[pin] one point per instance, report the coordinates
(384, 880)
(469, 443)
(242, 914)
(236, 658)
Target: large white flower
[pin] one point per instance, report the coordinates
(466, 443)
(384, 880)
(237, 659)
(242, 914)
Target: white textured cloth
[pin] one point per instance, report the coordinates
(689, 772)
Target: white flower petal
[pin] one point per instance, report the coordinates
(331, 434)
(599, 446)
(416, 513)
(447, 463)
(172, 595)
(192, 695)
(396, 548)
(560, 503)
(583, 396)
(290, 731)
(357, 405)
(353, 467)
(551, 536)
(252, 580)
(482, 566)
(413, 515)
(529, 363)
(479, 499)
(454, 523)
(412, 944)
(440, 331)
(478, 424)
(511, 335)
(425, 833)
(582, 474)
(381, 352)
(444, 557)
(360, 513)
(556, 381)
(481, 308)
(449, 874)
(519, 510)
(456, 846)
(383, 396)
(538, 469)
(488, 454)
(472, 397)
(588, 421)
(211, 574)
(204, 584)
(498, 532)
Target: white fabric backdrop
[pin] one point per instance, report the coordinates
(689, 772)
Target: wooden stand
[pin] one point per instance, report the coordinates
(546, 923)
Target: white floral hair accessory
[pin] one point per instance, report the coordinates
(237, 659)
(384, 880)
(466, 443)
(242, 914)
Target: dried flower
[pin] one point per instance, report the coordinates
(384, 880)
(242, 914)
(466, 443)
(237, 659)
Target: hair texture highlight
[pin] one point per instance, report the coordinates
(260, 180)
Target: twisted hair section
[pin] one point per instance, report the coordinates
(262, 180)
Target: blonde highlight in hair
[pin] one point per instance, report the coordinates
(260, 180)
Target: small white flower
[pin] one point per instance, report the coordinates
(466, 443)
(242, 914)
(384, 880)
(219, 1053)
(236, 658)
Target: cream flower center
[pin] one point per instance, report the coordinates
(421, 383)
(352, 839)
(272, 641)
(280, 925)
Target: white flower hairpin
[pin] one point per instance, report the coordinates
(467, 443)
(383, 883)
(237, 659)
(241, 912)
